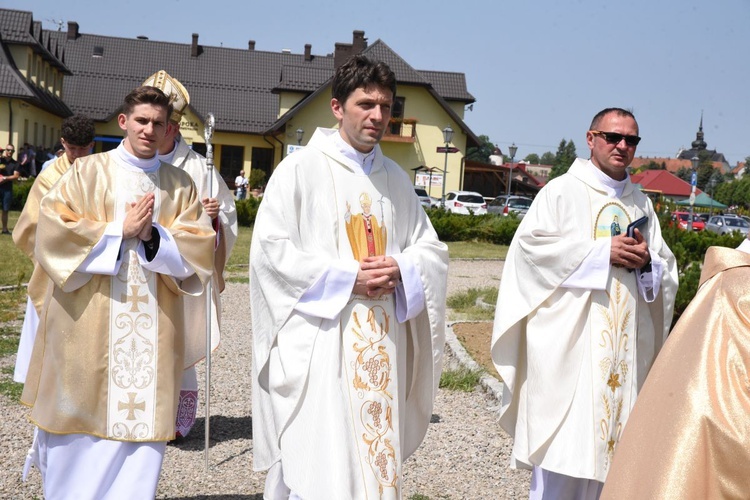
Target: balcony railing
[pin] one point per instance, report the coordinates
(401, 130)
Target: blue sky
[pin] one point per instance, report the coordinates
(539, 70)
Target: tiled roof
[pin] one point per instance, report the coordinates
(380, 51)
(233, 84)
(12, 83)
(240, 86)
(15, 26)
(663, 181)
(671, 164)
(19, 27)
(452, 86)
(303, 78)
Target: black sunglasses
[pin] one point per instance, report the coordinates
(615, 138)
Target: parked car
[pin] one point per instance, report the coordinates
(725, 224)
(424, 198)
(465, 202)
(680, 219)
(505, 205)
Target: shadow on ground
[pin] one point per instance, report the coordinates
(257, 496)
(222, 429)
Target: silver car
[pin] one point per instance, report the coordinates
(506, 205)
(724, 224)
(424, 198)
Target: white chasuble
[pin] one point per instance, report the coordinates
(613, 343)
(133, 329)
(370, 337)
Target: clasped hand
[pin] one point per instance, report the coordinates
(377, 276)
(629, 252)
(138, 218)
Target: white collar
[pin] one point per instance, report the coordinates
(167, 158)
(362, 162)
(129, 160)
(613, 187)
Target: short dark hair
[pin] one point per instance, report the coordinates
(361, 72)
(146, 95)
(601, 114)
(78, 130)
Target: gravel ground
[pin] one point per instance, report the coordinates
(464, 456)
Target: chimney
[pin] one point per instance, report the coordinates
(194, 49)
(251, 45)
(72, 30)
(359, 42)
(343, 51)
(308, 49)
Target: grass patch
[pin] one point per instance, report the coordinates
(419, 496)
(18, 267)
(238, 279)
(12, 303)
(8, 388)
(237, 266)
(476, 250)
(462, 379)
(465, 303)
(9, 338)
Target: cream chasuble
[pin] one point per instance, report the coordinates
(572, 359)
(24, 236)
(689, 435)
(341, 399)
(370, 334)
(110, 351)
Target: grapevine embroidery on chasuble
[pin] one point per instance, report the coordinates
(133, 329)
(370, 335)
(613, 338)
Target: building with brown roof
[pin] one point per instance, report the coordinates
(261, 100)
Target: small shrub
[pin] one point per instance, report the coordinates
(247, 209)
(20, 193)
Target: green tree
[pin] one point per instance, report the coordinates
(532, 159)
(747, 165)
(652, 165)
(684, 173)
(566, 154)
(482, 152)
(547, 158)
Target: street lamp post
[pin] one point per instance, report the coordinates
(693, 181)
(447, 138)
(512, 149)
(300, 134)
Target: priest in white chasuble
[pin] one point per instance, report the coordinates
(123, 237)
(347, 282)
(582, 312)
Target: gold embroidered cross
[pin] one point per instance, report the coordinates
(131, 406)
(134, 299)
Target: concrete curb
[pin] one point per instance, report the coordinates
(490, 384)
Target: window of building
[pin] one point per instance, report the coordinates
(200, 148)
(262, 158)
(397, 115)
(231, 161)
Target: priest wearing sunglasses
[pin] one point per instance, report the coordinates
(582, 313)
